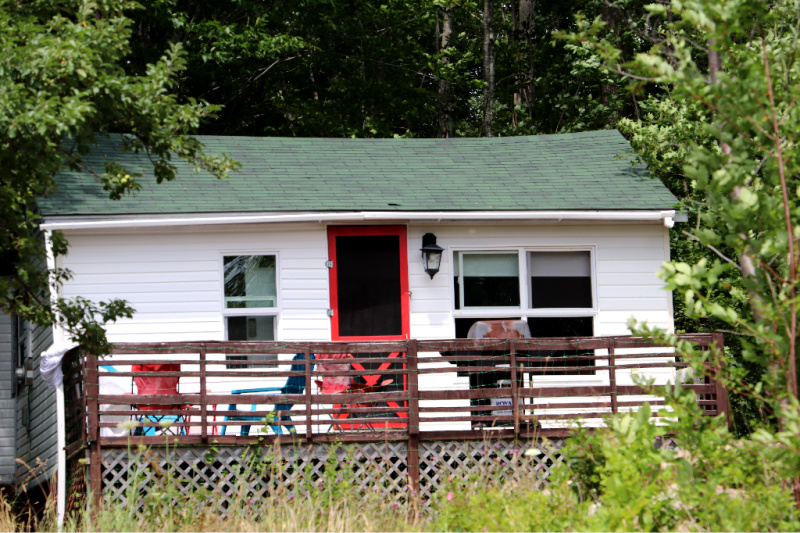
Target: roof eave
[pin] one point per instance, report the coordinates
(60, 223)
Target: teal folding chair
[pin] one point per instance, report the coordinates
(294, 385)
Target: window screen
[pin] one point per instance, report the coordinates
(368, 284)
(560, 280)
(250, 281)
(486, 279)
(250, 328)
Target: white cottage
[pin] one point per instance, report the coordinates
(319, 239)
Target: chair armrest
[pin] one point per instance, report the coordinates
(249, 391)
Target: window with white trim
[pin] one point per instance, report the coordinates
(553, 290)
(559, 280)
(250, 292)
(486, 279)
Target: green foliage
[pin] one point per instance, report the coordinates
(622, 478)
(372, 69)
(512, 507)
(730, 71)
(62, 84)
(664, 138)
(712, 482)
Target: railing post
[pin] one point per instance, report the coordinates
(203, 399)
(413, 387)
(413, 420)
(92, 391)
(718, 343)
(612, 374)
(307, 370)
(514, 389)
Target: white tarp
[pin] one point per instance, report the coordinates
(50, 363)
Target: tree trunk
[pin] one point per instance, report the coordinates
(527, 8)
(488, 66)
(612, 16)
(443, 104)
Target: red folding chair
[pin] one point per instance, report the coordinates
(161, 386)
(346, 385)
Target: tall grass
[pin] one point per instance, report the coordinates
(158, 500)
(475, 506)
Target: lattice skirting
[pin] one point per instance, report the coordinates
(444, 463)
(239, 474)
(76, 485)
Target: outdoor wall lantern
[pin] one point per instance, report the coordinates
(431, 254)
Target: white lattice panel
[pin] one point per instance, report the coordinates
(236, 475)
(450, 463)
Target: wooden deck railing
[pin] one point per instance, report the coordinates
(440, 387)
(412, 390)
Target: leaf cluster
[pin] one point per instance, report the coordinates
(62, 86)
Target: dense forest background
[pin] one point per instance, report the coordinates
(382, 68)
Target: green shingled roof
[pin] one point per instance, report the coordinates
(578, 171)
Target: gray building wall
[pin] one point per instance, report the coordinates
(7, 410)
(36, 419)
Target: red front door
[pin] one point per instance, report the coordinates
(369, 298)
(369, 282)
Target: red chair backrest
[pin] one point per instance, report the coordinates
(166, 385)
(334, 384)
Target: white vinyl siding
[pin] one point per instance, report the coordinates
(173, 278)
(627, 256)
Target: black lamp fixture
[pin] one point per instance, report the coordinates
(431, 254)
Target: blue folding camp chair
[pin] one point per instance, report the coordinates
(294, 385)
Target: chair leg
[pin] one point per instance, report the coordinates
(223, 430)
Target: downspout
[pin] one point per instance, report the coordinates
(61, 424)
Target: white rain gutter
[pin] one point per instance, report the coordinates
(151, 221)
(61, 422)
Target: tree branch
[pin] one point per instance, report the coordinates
(713, 249)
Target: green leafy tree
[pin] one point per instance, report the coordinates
(665, 137)
(734, 63)
(62, 85)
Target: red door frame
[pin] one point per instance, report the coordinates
(369, 231)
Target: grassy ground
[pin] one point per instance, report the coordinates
(337, 507)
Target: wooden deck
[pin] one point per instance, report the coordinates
(411, 393)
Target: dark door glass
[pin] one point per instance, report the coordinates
(368, 285)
